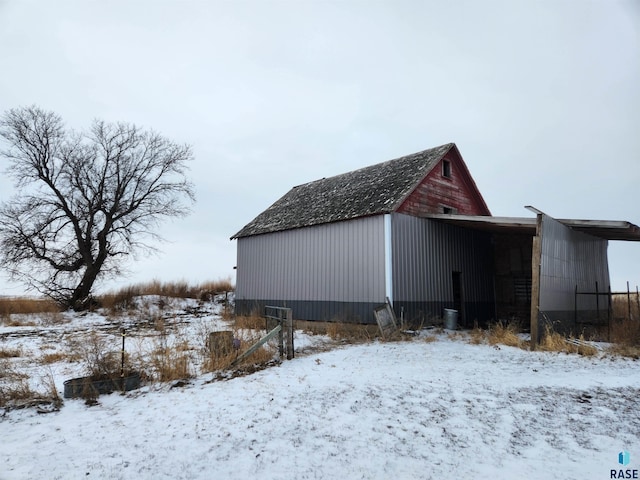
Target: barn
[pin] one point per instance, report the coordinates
(417, 232)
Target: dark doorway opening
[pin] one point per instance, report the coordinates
(458, 304)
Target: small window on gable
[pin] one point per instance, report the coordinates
(448, 210)
(446, 168)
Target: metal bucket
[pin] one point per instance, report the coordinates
(450, 319)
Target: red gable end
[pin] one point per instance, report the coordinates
(447, 188)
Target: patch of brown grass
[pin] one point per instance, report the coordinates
(625, 350)
(312, 328)
(26, 305)
(622, 305)
(124, 298)
(504, 334)
(626, 332)
(15, 392)
(352, 332)
(18, 320)
(245, 338)
(170, 358)
(10, 352)
(251, 322)
(477, 336)
(49, 358)
(554, 342)
(169, 363)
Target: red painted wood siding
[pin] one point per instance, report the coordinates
(436, 191)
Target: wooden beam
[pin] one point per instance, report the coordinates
(536, 260)
(257, 345)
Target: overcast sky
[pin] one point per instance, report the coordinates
(541, 97)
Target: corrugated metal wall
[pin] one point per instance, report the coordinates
(426, 253)
(570, 258)
(337, 262)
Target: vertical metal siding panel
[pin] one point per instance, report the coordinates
(340, 262)
(427, 252)
(570, 258)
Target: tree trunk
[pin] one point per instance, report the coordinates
(81, 298)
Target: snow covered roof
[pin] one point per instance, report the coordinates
(372, 190)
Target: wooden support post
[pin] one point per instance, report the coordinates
(288, 326)
(536, 260)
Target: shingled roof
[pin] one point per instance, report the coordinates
(373, 190)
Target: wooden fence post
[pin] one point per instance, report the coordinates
(281, 336)
(288, 325)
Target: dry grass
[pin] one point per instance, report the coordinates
(15, 392)
(10, 352)
(18, 320)
(27, 305)
(243, 338)
(626, 332)
(170, 358)
(554, 342)
(251, 322)
(352, 332)
(169, 363)
(49, 358)
(625, 350)
(623, 305)
(625, 326)
(477, 336)
(504, 334)
(125, 298)
(312, 328)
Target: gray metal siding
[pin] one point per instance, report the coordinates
(570, 258)
(426, 252)
(336, 262)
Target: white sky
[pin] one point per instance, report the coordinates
(541, 97)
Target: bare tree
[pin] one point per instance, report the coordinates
(86, 199)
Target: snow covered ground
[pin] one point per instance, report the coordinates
(383, 410)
